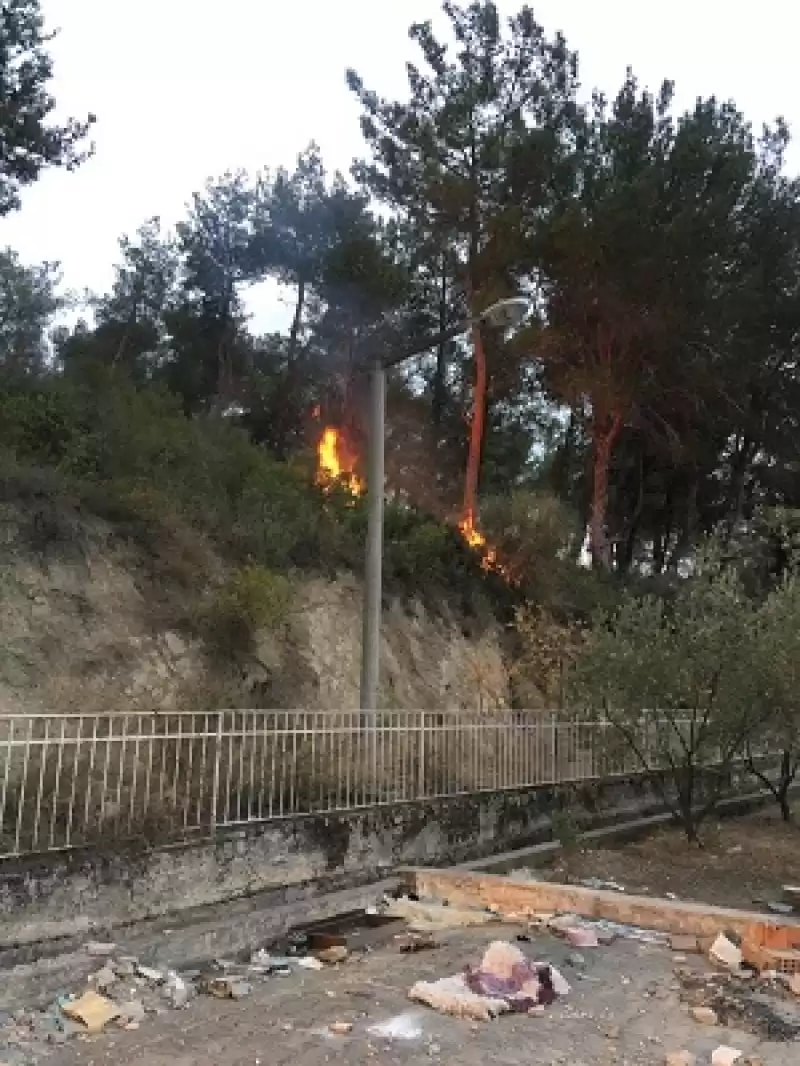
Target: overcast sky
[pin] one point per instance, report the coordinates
(186, 89)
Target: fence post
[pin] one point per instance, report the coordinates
(215, 783)
(423, 774)
(555, 777)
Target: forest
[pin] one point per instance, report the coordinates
(641, 426)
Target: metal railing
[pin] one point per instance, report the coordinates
(69, 781)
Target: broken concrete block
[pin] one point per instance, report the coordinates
(704, 1015)
(562, 922)
(580, 936)
(175, 990)
(687, 945)
(332, 955)
(104, 978)
(726, 953)
(341, 1028)
(725, 1056)
(131, 1012)
(680, 1058)
(794, 984)
(98, 949)
(94, 1011)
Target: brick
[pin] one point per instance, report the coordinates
(704, 1015)
(687, 945)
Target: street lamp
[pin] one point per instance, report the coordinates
(505, 314)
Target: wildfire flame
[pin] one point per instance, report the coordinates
(336, 462)
(473, 536)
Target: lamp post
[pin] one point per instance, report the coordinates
(503, 314)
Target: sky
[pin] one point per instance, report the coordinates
(184, 90)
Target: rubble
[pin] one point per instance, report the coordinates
(581, 936)
(680, 1058)
(430, 917)
(686, 945)
(725, 1056)
(98, 949)
(332, 955)
(413, 942)
(341, 1028)
(704, 1015)
(726, 953)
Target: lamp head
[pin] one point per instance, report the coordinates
(507, 314)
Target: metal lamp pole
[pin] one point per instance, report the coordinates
(505, 313)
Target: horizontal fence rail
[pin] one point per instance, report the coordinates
(71, 781)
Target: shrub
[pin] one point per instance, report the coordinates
(254, 598)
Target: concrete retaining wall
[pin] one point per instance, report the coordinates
(70, 894)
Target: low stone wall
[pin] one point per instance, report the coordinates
(71, 894)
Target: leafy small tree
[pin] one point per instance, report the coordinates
(675, 680)
(29, 143)
(779, 658)
(28, 302)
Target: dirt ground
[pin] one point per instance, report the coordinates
(624, 1009)
(744, 862)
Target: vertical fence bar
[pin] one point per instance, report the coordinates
(215, 783)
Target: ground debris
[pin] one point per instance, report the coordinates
(429, 917)
(92, 1010)
(725, 1056)
(726, 953)
(505, 982)
(704, 1015)
(744, 1002)
(341, 1028)
(680, 1058)
(224, 986)
(99, 949)
(413, 942)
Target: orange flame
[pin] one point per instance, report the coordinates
(336, 461)
(473, 536)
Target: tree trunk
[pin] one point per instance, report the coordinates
(439, 385)
(604, 434)
(688, 816)
(469, 511)
(786, 779)
(740, 463)
(297, 321)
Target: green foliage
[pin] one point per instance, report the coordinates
(30, 142)
(678, 680)
(779, 672)
(255, 598)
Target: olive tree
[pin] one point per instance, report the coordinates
(674, 679)
(779, 673)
